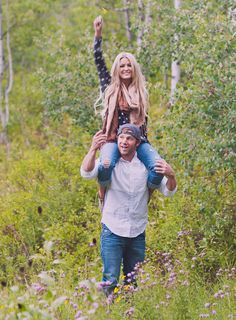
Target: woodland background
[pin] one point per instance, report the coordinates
(49, 218)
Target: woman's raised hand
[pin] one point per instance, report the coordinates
(98, 23)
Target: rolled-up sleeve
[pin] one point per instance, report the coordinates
(90, 174)
(164, 190)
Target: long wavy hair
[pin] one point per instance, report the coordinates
(138, 81)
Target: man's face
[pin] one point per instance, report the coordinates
(127, 144)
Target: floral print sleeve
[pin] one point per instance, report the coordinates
(103, 73)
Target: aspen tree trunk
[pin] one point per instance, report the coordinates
(4, 97)
(127, 21)
(175, 65)
(2, 115)
(144, 16)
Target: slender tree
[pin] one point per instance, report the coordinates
(144, 17)
(175, 65)
(8, 69)
(127, 20)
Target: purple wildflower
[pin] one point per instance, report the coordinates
(129, 312)
(207, 305)
(38, 287)
(78, 314)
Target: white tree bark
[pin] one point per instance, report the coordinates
(141, 21)
(144, 16)
(127, 21)
(175, 65)
(4, 94)
(2, 117)
(10, 69)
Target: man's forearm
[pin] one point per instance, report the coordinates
(88, 163)
(171, 183)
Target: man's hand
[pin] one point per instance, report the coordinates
(99, 139)
(163, 167)
(98, 24)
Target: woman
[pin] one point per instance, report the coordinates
(125, 101)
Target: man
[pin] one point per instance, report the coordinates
(124, 214)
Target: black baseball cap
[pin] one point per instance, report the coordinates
(131, 129)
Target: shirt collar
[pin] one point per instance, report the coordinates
(135, 158)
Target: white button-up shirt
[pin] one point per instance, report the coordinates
(126, 199)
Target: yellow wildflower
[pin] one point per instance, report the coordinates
(116, 290)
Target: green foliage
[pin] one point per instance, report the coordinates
(70, 84)
(49, 217)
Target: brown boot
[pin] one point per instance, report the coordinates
(101, 196)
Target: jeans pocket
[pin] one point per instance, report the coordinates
(105, 231)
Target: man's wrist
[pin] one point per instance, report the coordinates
(171, 175)
(98, 35)
(93, 150)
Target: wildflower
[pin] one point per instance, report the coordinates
(109, 299)
(38, 287)
(78, 314)
(202, 254)
(220, 294)
(116, 290)
(130, 311)
(95, 305)
(168, 296)
(84, 284)
(185, 283)
(213, 312)
(207, 305)
(91, 311)
(132, 288)
(91, 244)
(126, 287)
(204, 315)
(99, 286)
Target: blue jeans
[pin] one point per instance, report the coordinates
(145, 152)
(114, 251)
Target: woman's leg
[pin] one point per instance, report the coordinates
(148, 155)
(109, 155)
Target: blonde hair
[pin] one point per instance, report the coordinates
(138, 81)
